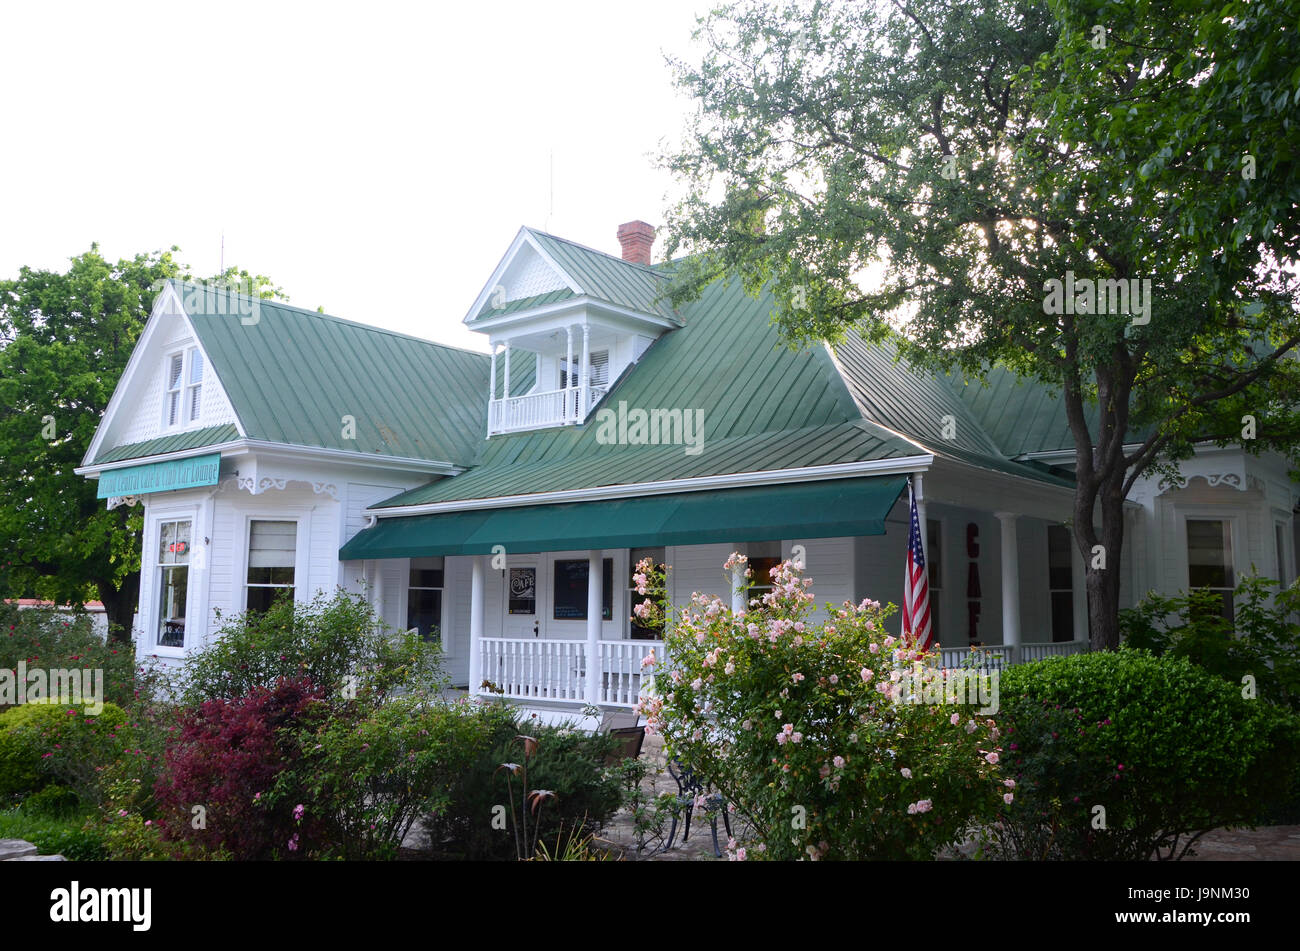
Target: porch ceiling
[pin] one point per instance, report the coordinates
(758, 513)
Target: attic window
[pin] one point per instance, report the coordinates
(599, 370)
(183, 397)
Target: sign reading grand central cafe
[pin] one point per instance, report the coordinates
(160, 476)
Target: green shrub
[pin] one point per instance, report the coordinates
(568, 762)
(1168, 750)
(332, 641)
(1262, 641)
(70, 836)
(52, 639)
(41, 743)
(56, 802)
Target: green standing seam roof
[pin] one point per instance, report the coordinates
(176, 442)
(293, 375)
(759, 513)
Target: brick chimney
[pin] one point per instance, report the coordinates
(637, 238)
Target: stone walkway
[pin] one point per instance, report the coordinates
(1267, 844)
(16, 850)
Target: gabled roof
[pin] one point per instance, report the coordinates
(584, 272)
(294, 374)
(173, 442)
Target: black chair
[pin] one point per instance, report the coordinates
(689, 789)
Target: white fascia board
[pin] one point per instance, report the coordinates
(522, 238)
(281, 450)
(671, 486)
(627, 319)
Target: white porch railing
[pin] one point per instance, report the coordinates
(545, 408)
(997, 656)
(530, 668)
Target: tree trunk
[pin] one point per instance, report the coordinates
(119, 605)
(1103, 566)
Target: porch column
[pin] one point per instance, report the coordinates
(595, 575)
(568, 373)
(492, 389)
(505, 392)
(585, 378)
(738, 604)
(1010, 582)
(475, 625)
(379, 589)
(918, 493)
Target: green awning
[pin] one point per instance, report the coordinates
(757, 513)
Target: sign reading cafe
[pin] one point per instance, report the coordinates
(160, 476)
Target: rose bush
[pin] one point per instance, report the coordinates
(806, 728)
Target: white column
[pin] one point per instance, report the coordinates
(493, 422)
(1079, 590)
(918, 493)
(738, 604)
(585, 378)
(568, 373)
(505, 392)
(594, 577)
(379, 589)
(476, 625)
(1010, 581)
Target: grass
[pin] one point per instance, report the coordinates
(61, 835)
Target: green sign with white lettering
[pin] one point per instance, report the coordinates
(160, 476)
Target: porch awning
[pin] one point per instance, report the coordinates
(757, 513)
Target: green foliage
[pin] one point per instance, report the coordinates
(332, 640)
(367, 774)
(568, 762)
(61, 639)
(799, 723)
(67, 835)
(41, 743)
(1168, 750)
(1263, 640)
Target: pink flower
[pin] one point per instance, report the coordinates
(907, 773)
(835, 678)
(875, 648)
(729, 669)
(780, 739)
(1009, 783)
(992, 758)
(970, 726)
(796, 738)
(866, 674)
(839, 762)
(649, 659)
(1007, 798)
(796, 677)
(298, 811)
(293, 843)
(955, 719)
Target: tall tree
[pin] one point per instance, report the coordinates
(980, 156)
(65, 339)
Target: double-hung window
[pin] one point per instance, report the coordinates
(1209, 559)
(173, 574)
(1060, 581)
(424, 597)
(272, 555)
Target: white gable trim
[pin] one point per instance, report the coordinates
(160, 312)
(522, 238)
(669, 486)
(368, 460)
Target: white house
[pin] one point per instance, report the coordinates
(474, 496)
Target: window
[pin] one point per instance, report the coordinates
(763, 557)
(1209, 558)
(934, 568)
(424, 597)
(272, 552)
(1060, 582)
(173, 581)
(571, 590)
(173, 400)
(523, 591)
(183, 406)
(640, 631)
(194, 391)
(599, 370)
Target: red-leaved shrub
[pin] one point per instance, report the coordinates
(224, 760)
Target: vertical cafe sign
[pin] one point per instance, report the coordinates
(160, 476)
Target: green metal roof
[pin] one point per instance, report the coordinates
(177, 442)
(294, 374)
(526, 303)
(1019, 415)
(599, 275)
(759, 513)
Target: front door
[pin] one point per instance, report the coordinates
(522, 608)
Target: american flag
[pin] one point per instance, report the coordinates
(916, 586)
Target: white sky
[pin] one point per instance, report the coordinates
(374, 159)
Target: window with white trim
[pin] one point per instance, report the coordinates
(173, 574)
(1209, 558)
(1060, 582)
(272, 556)
(183, 390)
(424, 597)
